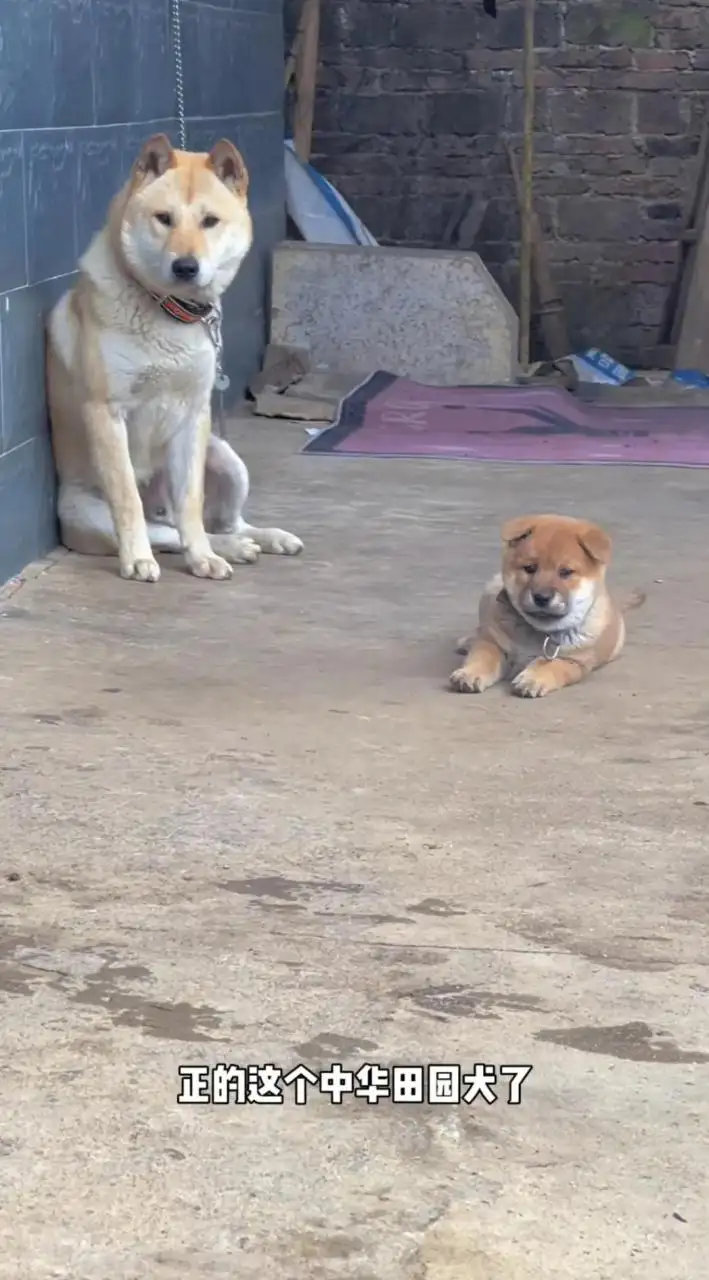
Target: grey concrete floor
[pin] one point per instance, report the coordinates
(246, 823)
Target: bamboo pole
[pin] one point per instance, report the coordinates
(550, 308)
(306, 72)
(526, 241)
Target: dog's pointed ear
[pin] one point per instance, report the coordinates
(156, 157)
(517, 530)
(227, 163)
(596, 543)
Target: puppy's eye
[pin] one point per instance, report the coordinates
(566, 573)
(165, 219)
(209, 220)
(530, 569)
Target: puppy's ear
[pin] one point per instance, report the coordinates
(517, 530)
(229, 167)
(156, 157)
(596, 543)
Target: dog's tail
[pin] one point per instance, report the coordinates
(633, 600)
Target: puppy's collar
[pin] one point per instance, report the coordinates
(552, 646)
(183, 311)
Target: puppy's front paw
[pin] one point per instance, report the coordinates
(467, 680)
(534, 682)
(208, 566)
(146, 569)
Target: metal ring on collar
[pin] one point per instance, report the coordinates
(548, 643)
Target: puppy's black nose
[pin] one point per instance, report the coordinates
(542, 598)
(185, 268)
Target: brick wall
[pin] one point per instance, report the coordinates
(413, 99)
(82, 84)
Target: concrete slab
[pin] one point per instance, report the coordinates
(429, 314)
(245, 823)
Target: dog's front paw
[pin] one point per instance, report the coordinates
(534, 682)
(467, 680)
(144, 569)
(277, 542)
(208, 566)
(235, 548)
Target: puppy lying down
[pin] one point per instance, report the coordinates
(547, 620)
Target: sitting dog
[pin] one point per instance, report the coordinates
(547, 620)
(133, 353)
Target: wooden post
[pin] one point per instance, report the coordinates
(525, 254)
(293, 55)
(550, 306)
(306, 74)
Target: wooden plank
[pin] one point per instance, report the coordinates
(526, 204)
(693, 340)
(293, 55)
(551, 308)
(694, 219)
(306, 74)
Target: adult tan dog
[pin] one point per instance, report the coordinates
(547, 620)
(132, 358)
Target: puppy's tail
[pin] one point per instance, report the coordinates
(633, 600)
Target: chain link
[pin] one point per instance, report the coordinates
(214, 322)
(179, 78)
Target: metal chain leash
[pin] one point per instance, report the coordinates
(179, 77)
(221, 381)
(214, 322)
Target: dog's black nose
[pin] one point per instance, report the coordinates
(185, 268)
(542, 598)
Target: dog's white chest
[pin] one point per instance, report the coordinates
(159, 367)
(162, 382)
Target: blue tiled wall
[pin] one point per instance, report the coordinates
(82, 83)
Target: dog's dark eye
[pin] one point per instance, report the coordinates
(209, 220)
(531, 569)
(566, 573)
(165, 219)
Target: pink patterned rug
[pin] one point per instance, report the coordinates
(391, 417)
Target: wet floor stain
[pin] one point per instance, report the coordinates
(284, 888)
(25, 962)
(328, 1044)
(15, 980)
(693, 906)
(77, 716)
(620, 954)
(327, 1246)
(283, 907)
(14, 612)
(367, 917)
(454, 1001)
(434, 907)
(409, 955)
(629, 1041)
(159, 1019)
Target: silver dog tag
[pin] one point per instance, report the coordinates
(221, 382)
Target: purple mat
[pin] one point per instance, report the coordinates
(391, 417)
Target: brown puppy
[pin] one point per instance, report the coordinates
(547, 620)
